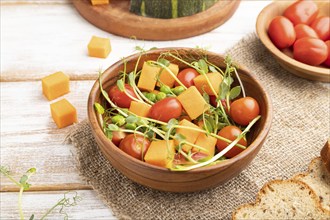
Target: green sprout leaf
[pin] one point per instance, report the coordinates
(113, 127)
(234, 92)
(99, 108)
(203, 66)
(120, 84)
(163, 61)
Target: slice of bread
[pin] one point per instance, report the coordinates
(283, 199)
(325, 155)
(319, 180)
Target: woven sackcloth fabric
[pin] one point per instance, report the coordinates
(300, 128)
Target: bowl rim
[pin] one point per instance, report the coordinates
(95, 125)
(266, 41)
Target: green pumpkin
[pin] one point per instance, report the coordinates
(169, 8)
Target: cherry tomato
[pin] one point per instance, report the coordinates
(322, 27)
(166, 109)
(135, 145)
(119, 97)
(327, 61)
(186, 76)
(230, 132)
(117, 137)
(310, 51)
(244, 110)
(302, 12)
(281, 32)
(214, 103)
(303, 30)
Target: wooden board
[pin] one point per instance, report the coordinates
(116, 18)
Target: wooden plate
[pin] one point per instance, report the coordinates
(115, 18)
(285, 58)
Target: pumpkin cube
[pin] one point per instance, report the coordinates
(148, 77)
(190, 135)
(193, 102)
(165, 76)
(63, 113)
(139, 108)
(202, 85)
(99, 47)
(207, 142)
(99, 2)
(160, 154)
(55, 85)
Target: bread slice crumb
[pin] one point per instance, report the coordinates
(283, 199)
(319, 180)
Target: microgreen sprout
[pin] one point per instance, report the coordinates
(24, 185)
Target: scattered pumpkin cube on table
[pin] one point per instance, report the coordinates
(99, 47)
(100, 2)
(55, 85)
(63, 113)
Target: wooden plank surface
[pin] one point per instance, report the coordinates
(30, 138)
(37, 203)
(57, 39)
(39, 37)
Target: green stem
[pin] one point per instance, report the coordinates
(221, 153)
(11, 179)
(52, 208)
(20, 203)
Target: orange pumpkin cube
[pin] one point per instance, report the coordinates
(100, 2)
(160, 154)
(55, 85)
(201, 83)
(63, 113)
(99, 47)
(139, 108)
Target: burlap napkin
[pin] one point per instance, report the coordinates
(300, 128)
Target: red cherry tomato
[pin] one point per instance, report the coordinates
(302, 12)
(303, 30)
(327, 61)
(186, 76)
(230, 132)
(244, 110)
(281, 32)
(214, 103)
(310, 51)
(135, 145)
(117, 137)
(166, 109)
(119, 97)
(322, 27)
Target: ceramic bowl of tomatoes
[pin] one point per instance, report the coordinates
(179, 119)
(297, 33)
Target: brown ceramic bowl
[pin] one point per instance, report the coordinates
(173, 181)
(318, 73)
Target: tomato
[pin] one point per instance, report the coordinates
(310, 51)
(327, 61)
(302, 12)
(119, 97)
(214, 103)
(322, 27)
(303, 30)
(186, 76)
(230, 132)
(166, 109)
(244, 110)
(135, 145)
(281, 32)
(117, 137)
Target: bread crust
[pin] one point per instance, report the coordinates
(298, 185)
(325, 155)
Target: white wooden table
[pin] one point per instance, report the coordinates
(40, 37)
